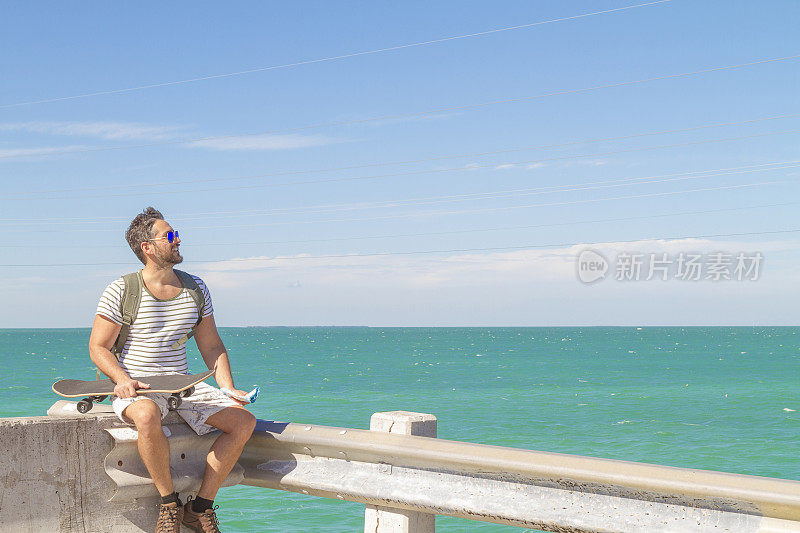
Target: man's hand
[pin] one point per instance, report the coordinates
(240, 393)
(127, 389)
(238, 396)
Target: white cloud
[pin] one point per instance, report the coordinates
(121, 131)
(264, 142)
(516, 287)
(31, 152)
(585, 163)
(26, 280)
(98, 130)
(528, 266)
(702, 245)
(403, 120)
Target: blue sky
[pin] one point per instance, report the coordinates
(450, 183)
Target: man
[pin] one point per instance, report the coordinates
(167, 312)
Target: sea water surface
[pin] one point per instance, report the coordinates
(716, 398)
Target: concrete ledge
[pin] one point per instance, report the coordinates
(72, 472)
(53, 478)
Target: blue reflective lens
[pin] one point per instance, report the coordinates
(171, 236)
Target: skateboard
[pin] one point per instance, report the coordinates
(177, 385)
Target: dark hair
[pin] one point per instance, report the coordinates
(141, 230)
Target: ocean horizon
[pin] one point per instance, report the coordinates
(707, 397)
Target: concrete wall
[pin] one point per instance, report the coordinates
(70, 472)
(52, 478)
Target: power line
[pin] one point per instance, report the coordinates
(505, 208)
(450, 232)
(423, 252)
(407, 115)
(411, 161)
(506, 228)
(487, 195)
(498, 248)
(325, 59)
(515, 193)
(464, 211)
(417, 172)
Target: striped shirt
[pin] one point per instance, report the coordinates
(158, 324)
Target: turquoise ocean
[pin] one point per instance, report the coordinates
(716, 398)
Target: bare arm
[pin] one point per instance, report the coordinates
(214, 353)
(104, 334)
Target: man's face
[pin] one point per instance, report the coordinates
(164, 252)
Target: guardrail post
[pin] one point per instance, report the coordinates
(386, 519)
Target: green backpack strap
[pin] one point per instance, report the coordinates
(131, 298)
(191, 286)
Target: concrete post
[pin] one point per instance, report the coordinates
(386, 519)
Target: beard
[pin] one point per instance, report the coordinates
(172, 257)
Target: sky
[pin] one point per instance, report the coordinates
(409, 163)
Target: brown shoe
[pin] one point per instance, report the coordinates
(169, 518)
(205, 522)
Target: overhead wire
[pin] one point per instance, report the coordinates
(498, 248)
(422, 252)
(417, 172)
(331, 58)
(486, 195)
(515, 193)
(448, 232)
(408, 115)
(410, 161)
(458, 212)
(504, 208)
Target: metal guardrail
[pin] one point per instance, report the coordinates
(547, 491)
(541, 490)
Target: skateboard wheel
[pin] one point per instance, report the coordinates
(84, 406)
(188, 392)
(173, 402)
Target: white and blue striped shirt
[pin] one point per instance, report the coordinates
(158, 325)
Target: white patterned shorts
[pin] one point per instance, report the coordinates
(194, 409)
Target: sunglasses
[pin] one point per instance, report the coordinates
(170, 236)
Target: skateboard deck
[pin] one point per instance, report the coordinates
(178, 385)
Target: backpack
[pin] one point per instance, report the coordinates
(131, 298)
